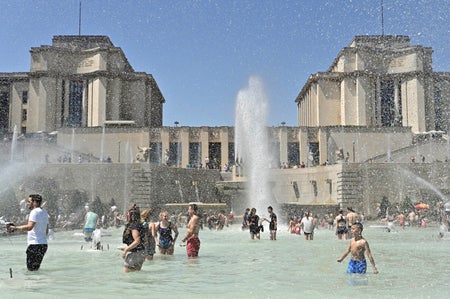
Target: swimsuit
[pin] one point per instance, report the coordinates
(165, 236)
(193, 246)
(357, 266)
(149, 241)
(273, 220)
(341, 229)
(254, 227)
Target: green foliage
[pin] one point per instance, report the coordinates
(406, 205)
(49, 190)
(112, 202)
(9, 205)
(384, 205)
(98, 207)
(75, 201)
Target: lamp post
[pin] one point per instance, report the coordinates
(118, 156)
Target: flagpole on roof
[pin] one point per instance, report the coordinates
(79, 20)
(382, 18)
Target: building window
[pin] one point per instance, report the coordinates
(231, 154)
(4, 111)
(63, 98)
(314, 154)
(195, 155)
(24, 114)
(174, 154)
(24, 97)
(438, 111)
(387, 103)
(399, 112)
(215, 155)
(293, 153)
(155, 152)
(75, 104)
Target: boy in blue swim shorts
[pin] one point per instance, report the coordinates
(358, 247)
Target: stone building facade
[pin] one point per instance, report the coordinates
(78, 81)
(378, 81)
(359, 123)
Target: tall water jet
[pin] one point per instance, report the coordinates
(388, 148)
(127, 164)
(251, 143)
(102, 145)
(14, 143)
(180, 191)
(72, 149)
(414, 177)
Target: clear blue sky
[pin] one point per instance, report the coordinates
(202, 52)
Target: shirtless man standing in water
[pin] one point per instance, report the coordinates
(193, 228)
(358, 246)
(352, 218)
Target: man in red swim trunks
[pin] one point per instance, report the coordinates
(193, 228)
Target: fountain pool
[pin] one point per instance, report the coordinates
(413, 263)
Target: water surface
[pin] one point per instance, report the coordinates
(413, 263)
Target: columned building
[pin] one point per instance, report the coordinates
(78, 82)
(378, 81)
(378, 93)
(378, 84)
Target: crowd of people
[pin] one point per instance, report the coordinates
(142, 236)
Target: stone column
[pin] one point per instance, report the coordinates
(283, 137)
(303, 145)
(165, 140)
(184, 138)
(323, 145)
(224, 139)
(204, 139)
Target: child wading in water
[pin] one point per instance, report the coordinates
(358, 245)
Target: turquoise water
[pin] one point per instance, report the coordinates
(413, 263)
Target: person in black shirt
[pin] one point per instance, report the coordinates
(133, 237)
(272, 223)
(253, 223)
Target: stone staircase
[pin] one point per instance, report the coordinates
(349, 187)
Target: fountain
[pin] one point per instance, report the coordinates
(68, 270)
(251, 144)
(102, 145)
(408, 174)
(180, 191)
(197, 195)
(14, 143)
(388, 148)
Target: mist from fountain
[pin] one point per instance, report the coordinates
(180, 191)
(72, 148)
(14, 143)
(424, 183)
(102, 145)
(251, 143)
(388, 149)
(447, 157)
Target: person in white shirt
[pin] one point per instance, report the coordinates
(37, 228)
(308, 226)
